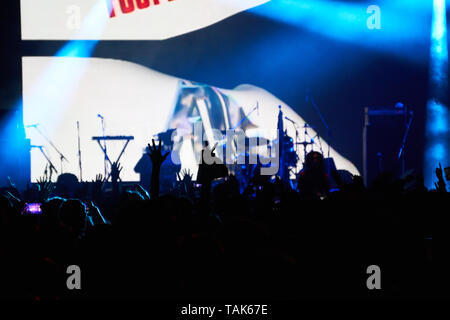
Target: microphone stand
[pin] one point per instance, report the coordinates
(305, 143)
(79, 152)
(401, 153)
(104, 145)
(296, 139)
(311, 98)
(61, 156)
(52, 167)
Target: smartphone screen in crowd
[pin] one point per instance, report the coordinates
(32, 208)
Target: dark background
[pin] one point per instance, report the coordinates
(284, 59)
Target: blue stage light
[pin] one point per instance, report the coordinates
(437, 139)
(402, 24)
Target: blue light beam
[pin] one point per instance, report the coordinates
(47, 99)
(403, 24)
(45, 102)
(437, 136)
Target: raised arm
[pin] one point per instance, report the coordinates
(157, 158)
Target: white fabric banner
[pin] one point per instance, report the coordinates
(123, 19)
(135, 101)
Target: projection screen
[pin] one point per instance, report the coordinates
(70, 98)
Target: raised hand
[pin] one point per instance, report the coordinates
(45, 188)
(440, 185)
(13, 188)
(186, 175)
(439, 173)
(10, 183)
(185, 181)
(157, 158)
(12, 199)
(139, 189)
(98, 185)
(46, 170)
(99, 181)
(94, 214)
(115, 171)
(154, 152)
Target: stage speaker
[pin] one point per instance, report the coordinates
(383, 135)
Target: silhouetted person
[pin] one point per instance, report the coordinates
(66, 185)
(313, 181)
(73, 215)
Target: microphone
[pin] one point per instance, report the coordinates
(288, 119)
(257, 107)
(100, 116)
(32, 125)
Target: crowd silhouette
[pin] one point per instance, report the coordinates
(215, 242)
